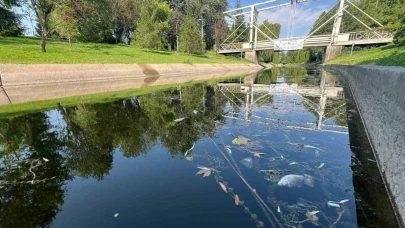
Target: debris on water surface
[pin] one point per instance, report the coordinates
(223, 187)
(206, 174)
(237, 200)
(116, 215)
(321, 165)
(275, 171)
(240, 140)
(195, 112)
(179, 120)
(204, 170)
(312, 218)
(293, 180)
(248, 162)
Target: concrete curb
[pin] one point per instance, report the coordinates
(26, 83)
(379, 92)
(30, 74)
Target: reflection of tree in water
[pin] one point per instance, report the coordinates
(24, 140)
(292, 75)
(84, 145)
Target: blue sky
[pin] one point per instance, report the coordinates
(305, 14)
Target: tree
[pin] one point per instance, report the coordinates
(272, 30)
(9, 23)
(153, 22)
(190, 38)
(64, 22)
(238, 31)
(43, 10)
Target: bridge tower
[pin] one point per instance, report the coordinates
(331, 51)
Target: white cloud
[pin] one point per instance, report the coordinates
(303, 20)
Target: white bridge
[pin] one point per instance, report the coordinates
(333, 40)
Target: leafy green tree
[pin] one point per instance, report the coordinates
(64, 22)
(153, 22)
(239, 30)
(272, 30)
(190, 38)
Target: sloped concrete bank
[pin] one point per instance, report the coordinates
(32, 82)
(379, 92)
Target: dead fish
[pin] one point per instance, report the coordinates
(278, 209)
(314, 212)
(293, 180)
(333, 204)
(309, 180)
(223, 187)
(344, 201)
(257, 154)
(207, 173)
(321, 165)
(237, 200)
(116, 215)
(189, 150)
(195, 112)
(313, 147)
(46, 160)
(179, 120)
(228, 149)
(293, 163)
(203, 167)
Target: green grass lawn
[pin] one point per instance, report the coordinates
(27, 50)
(388, 55)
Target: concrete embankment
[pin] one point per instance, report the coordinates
(379, 93)
(28, 82)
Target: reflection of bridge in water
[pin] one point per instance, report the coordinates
(326, 89)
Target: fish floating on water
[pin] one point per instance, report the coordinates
(228, 149)
(321, 165)
(337, 204)
(293, 180)
(313, 147)
(179, 120)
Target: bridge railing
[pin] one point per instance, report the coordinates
(230, 46)
(375, 34)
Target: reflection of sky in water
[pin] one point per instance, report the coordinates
(154, 188)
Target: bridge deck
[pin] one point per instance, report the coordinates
(345, 39)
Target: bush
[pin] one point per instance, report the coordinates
(399, 37)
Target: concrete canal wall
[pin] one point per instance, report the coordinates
(380, 94)
(28, 82)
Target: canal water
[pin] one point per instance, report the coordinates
(280, 148)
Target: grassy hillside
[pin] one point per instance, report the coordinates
(389, 55)
(27, 50)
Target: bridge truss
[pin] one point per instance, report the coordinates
(336, 38)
